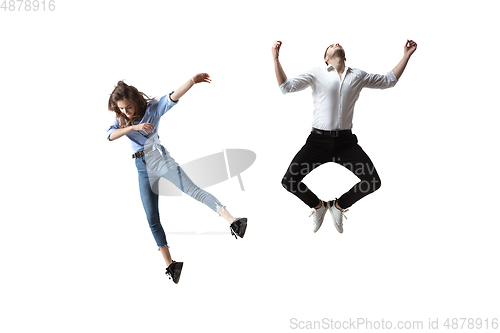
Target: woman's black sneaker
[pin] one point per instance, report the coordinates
(174, 271)
(238, 227)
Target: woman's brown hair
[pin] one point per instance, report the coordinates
(124, 91)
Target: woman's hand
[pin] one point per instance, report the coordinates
(201, 77)
(146, 127)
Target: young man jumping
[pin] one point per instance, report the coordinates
(335, 90)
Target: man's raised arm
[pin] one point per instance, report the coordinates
(410, 47)
(280, 74)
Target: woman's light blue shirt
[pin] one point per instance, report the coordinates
(153, 113)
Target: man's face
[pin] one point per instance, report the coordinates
(335, 51)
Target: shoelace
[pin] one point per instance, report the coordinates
(170, 273)
(313, 212)
(344, 211)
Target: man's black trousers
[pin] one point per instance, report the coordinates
(342, 149)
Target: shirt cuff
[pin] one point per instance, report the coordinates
(177, 101)
(392, 76)
(283, 87)
(110, 131)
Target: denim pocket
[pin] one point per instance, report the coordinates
(140, 163)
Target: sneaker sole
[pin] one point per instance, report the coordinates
(340, 230)
(321, 223)
(180, 271)
(243, 227)
(322, 219)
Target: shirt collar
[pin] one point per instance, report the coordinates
(330, 68)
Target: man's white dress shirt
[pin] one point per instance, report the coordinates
(334, 96)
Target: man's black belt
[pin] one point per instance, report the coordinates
(334, 133)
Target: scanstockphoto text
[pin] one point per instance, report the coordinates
(28, 5)
(353, 324)
(472, 324)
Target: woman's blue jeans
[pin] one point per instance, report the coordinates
(160, 164)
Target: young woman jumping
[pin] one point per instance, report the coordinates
(138, 117)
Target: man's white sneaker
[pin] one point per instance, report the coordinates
(318, 215)
(337, 215)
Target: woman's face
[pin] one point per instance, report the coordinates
(127, 107)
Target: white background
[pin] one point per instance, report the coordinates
(76, 252)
